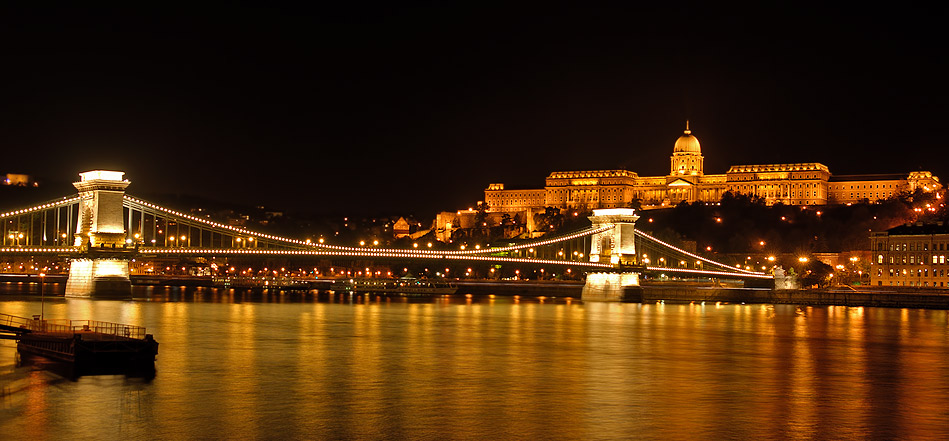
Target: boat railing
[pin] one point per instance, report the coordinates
(66, 326)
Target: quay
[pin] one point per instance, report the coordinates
(888, 297)
(88, 347)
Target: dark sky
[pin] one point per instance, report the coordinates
(413, 109)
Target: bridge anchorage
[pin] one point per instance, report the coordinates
(102, 229)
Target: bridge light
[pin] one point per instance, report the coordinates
(321, 240)
(375, 243)
(415, 245)
(429, 244)
(362, 243)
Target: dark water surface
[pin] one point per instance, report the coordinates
(246, 365)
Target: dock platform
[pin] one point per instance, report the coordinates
(90, 347)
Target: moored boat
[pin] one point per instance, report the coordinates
(404, 285)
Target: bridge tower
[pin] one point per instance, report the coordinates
(100, 235)
(617, 246)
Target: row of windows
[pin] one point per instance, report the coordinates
(913, 259)
(923, 272)
(912, 283)
(913, 246)
(844, 187)
(755, 178)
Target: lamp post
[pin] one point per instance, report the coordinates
(42, 297)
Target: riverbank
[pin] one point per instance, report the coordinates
(889, 298)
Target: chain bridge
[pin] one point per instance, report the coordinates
(100, 229)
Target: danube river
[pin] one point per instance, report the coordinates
(259, 365)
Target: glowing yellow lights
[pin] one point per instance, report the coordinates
(803, 259)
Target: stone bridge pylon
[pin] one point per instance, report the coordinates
(616, 246)
(103, 271)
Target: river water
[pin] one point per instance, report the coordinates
(281, 365)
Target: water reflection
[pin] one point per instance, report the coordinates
(272, 364)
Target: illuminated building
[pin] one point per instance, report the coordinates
(792, 184)
(19, 180)
(911, 255)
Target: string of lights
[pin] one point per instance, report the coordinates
(45, 206)
(708, 272)
(695, 256)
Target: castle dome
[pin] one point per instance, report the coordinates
(687, 143)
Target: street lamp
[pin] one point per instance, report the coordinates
(42, 297)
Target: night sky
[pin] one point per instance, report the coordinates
(415, 109)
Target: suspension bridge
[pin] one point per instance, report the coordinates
(100, 229)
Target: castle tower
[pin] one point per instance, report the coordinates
(687, 156)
